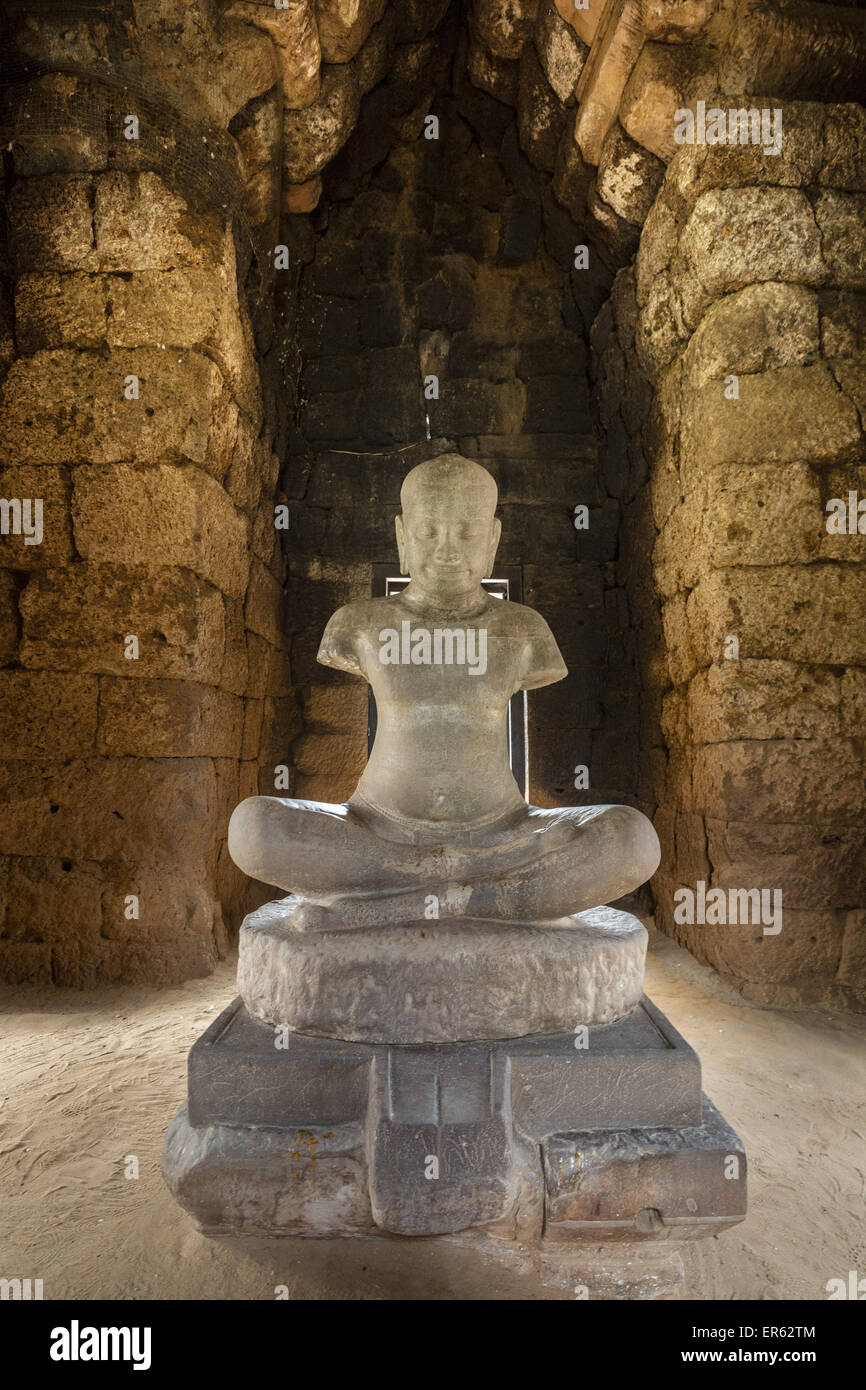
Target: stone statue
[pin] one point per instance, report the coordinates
(437, 826)
(439, 997)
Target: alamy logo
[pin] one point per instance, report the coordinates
(740, 126)
(22, 516)
(846, 518)
(736, 906)
(854, 1289)
(75, 1343)
(18, 1290)
(445, 646)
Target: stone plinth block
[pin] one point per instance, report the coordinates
(578, 1155)
(444, 981)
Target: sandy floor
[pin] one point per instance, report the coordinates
(87, 1079)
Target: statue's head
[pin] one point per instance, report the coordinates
(448, 532)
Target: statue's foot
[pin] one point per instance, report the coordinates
(351, 912)
(314, 917)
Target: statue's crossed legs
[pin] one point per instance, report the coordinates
(531, 865)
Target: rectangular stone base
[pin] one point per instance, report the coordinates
(554, 1145)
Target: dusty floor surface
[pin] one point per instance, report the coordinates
(87, 1079)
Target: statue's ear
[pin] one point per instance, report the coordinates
(494, 545)
(401, 543)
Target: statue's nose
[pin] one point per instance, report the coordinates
(446, 550)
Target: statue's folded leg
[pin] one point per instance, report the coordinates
(597, 856)
(320, 849)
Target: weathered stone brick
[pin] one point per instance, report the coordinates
(54, 899)
(781, 416)
(763, 700)
(763, 326)
(51, 487)
(63, 406)
(141, 224)
(145, 810)
(736, 236)
(763, 780)
(51, 223)
(814, 613)
(41, 713)
(264, 611)
(161, 516)
(77, 619)
(842, 220)
(168, 719)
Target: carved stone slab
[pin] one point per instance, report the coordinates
(531, 1141)
(441, 982)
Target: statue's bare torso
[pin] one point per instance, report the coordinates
(441, 748)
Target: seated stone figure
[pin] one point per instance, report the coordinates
(437, 826)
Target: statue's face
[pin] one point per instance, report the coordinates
(448, 541)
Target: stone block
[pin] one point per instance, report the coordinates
(168, 719)
(844, 145)
(561, 53)
(139, 223)
(737, 236)
(798, 965)
(851, 972)
(629, 176)
(335, 708)
(480, 1110)
(819, 779)
(51, 223)
(843, 323)
(781, 416)
(26, 962)
(762, 327)
(40, 713)
(56, 310)
(77, 619)
(763, 700)
(841, 218)
(51, 899)
(64, 406)
(296, 41)
(344, 25)
(505, 25)
(161, 516)
(282, 722)
(557, 405)
(541, 117)
(811, 613)
(34, 484)
(263, 613)
(816, 866)
(766, 514)
(654, 93)
(659, 1184)
(144, 811)
(699, 167)
(313, 135)
(479, 407)
(447, 299)
(638, 1068)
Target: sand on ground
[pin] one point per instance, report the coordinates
(89, 1079)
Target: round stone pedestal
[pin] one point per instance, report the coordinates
(447, 981)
